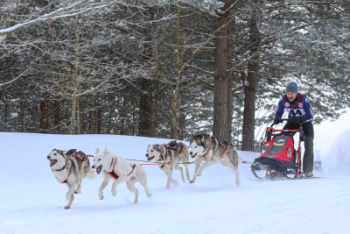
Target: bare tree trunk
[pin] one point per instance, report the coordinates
(43, 118)
(56, 120)
(182, 120)
(93, 114)
(177, 79)
(133, 133)
(5, 114)
(146, 120)
(223, 108)
(79, 119)
(250, 88)
(73, 115)
(99, 119)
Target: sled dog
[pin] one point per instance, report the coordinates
(118, 169)
(173, 153)
(208, 149)
(70, 169)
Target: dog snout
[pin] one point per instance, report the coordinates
(191, 153)
(147, 155)
(48, 157)
(93, 167)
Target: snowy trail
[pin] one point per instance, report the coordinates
(213, 204)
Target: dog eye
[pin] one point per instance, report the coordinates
(99, 159)
(54, 154)
(195, 147)
(152, 151)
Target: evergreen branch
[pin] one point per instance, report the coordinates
(129, 83)
(269, 40)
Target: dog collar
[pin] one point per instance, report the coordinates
(62, 168)
(161, 158)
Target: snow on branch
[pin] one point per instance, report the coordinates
(69, 11)
(13, 80)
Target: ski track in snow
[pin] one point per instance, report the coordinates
(213, 204)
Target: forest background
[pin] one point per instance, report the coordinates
(169, 69)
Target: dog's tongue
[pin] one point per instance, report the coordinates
(52, 162)
(98, 169)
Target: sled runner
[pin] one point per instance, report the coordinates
(280, 160)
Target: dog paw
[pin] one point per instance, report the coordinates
(199, 174)
(149, 195)
(101, 196)
(192, 181)
(67, 207)
(77, 192)
(114, 193)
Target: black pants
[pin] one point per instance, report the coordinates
(308, 160)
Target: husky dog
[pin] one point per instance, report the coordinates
(173, 153)
(208, 149)
(70, 170)
(117, 168)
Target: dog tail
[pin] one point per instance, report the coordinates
(91, 174)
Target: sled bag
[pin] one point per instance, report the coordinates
(281, 149)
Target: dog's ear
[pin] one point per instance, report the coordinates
(61, 152)
(156, 147)
(97, 150)
(105, 151)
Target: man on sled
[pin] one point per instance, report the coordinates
(299, 111)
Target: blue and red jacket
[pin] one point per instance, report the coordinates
(299, 107)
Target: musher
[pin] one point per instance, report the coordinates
(299, 110)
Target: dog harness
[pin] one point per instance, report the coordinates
(66, 180)
(207, 150)
(76, 156)
(168, 147)
(114, 175)
(223, 146)
(228, 146)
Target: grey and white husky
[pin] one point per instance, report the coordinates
(70, 168)
(173, 153)
(210, 150)
(119, 170)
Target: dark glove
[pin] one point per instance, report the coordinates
(277, 120)
(296, 120)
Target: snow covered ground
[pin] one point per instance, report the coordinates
(32, 201)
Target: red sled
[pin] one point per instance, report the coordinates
(280, 159)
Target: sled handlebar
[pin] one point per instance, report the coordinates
(270, 132)
(286, 119)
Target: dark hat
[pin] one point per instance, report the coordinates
(292, 87)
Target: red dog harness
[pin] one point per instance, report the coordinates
(66, 180)
(115, 175)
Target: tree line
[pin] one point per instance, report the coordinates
(169, 69)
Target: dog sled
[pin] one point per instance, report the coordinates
(280, 160)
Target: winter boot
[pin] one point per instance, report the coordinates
(309, 174)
